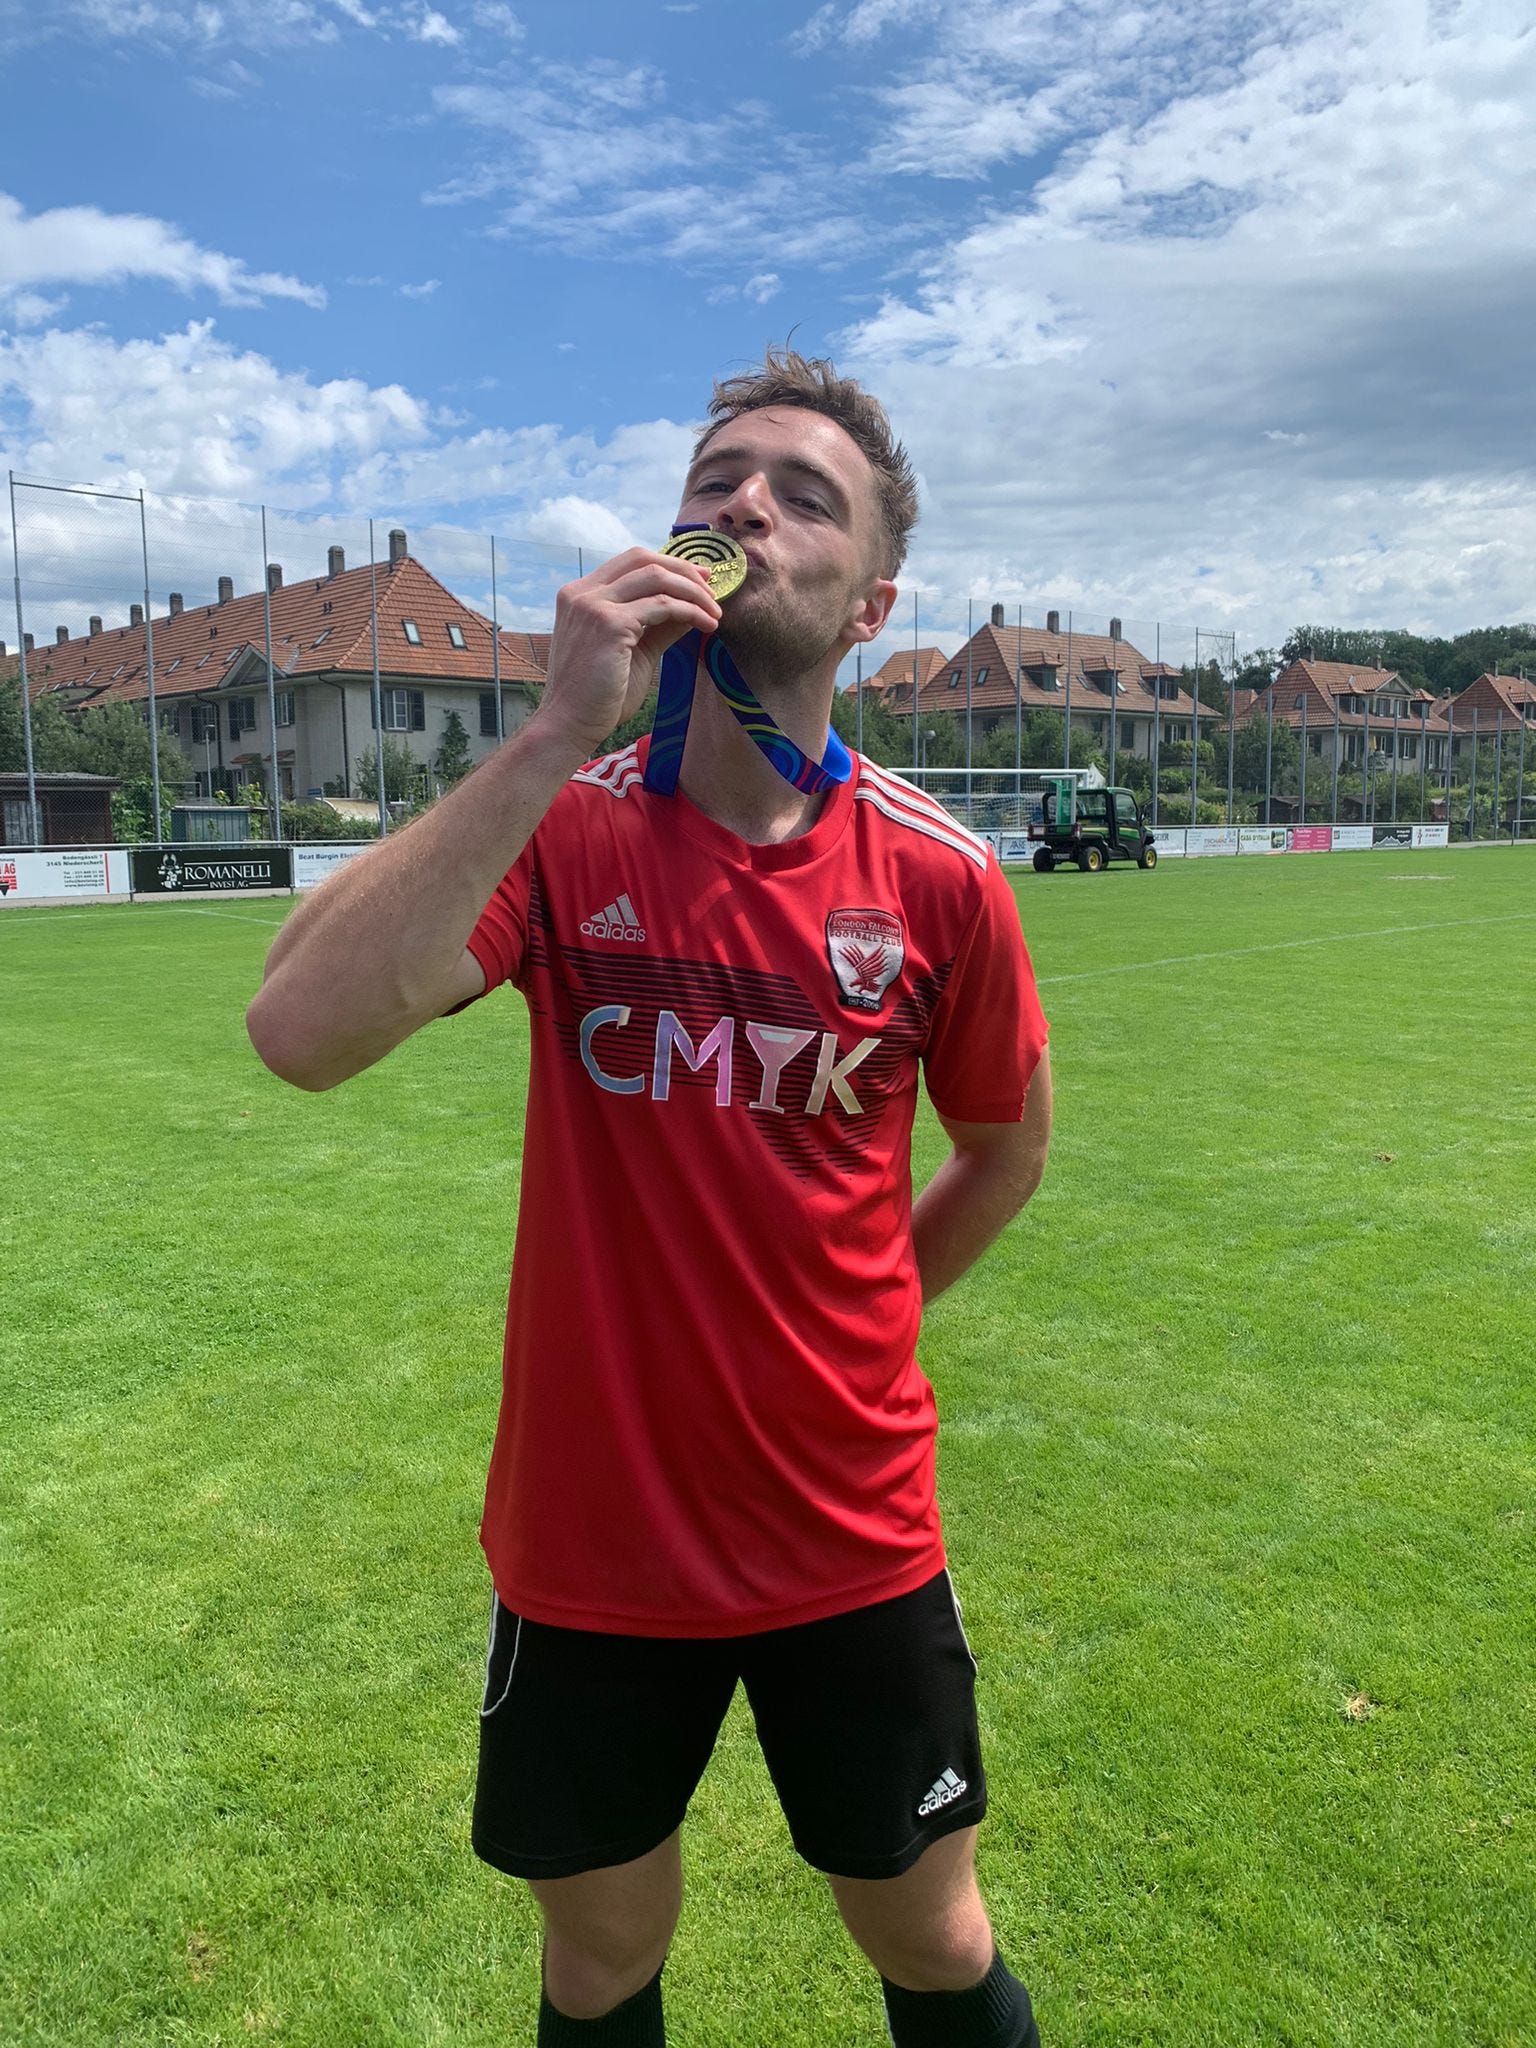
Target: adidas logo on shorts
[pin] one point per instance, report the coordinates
(618, 921)
(943, 1792)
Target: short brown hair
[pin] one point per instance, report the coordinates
(787, 378)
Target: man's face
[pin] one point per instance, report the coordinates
(800, 497)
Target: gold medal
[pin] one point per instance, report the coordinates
(716, 552)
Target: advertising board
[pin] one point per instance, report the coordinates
(1431, 835)
(63, 871)
(1261, 839)
(168, 870)
(1351, 838)
(1203, 839)
(1392, 835)
(311, 864)
(1310, 839)
(1170, 844)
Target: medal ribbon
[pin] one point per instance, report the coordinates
(674, 709)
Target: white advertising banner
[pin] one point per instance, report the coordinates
(1352, 838)
(1431, 835)
(1201, 839)
(1014, 845)
(311, 864)
(1170, 845)
(1262, 839)
(63, 871)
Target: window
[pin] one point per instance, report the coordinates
(487, 714)
(320, 639)
(285, 707)
(954, 681)
(411, 631)
(205, 724)
(176, 664)
(204, 662)
(404, 711)
(456, 636)
(242, 716)
(981, 677)
(1300, 701)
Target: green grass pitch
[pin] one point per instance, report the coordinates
(1236, 1461)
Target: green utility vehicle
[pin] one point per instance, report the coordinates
(1089, 826)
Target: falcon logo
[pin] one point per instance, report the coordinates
(866, 949)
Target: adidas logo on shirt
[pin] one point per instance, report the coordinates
(943, 1792)
(618, 921)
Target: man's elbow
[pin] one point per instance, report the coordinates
(278, 1050)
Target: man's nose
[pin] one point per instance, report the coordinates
(749, 508)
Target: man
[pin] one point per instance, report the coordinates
(715, 1453)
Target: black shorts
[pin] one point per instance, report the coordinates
(591, 1744)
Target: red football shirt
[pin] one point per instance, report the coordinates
(713, 1421)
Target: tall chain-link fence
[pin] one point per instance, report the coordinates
(300, 674)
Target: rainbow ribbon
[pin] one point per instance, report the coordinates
(674, 709)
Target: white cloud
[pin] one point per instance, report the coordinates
(431, 27)
(81, 245)
(424, 290)
(1315, 237)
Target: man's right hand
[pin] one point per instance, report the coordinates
(611, 630)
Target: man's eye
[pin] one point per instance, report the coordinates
(714, 483)
(811, 504)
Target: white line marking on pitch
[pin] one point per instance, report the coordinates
(1391, 931)
(194, 909)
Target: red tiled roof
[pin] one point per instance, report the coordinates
(895, 672)
(319, 627)
(998, 649)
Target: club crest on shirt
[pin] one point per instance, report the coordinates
(866, 949)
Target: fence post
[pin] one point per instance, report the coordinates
(1066, 723)
(858, 700)
(1337, 737)
(1157, 718)
(1472, 789)
(1498, 769)
(378, 694)
(970, 664)
(501, 721)
(266, 621)
(149, 674)
(1269, 758)
(1231, 727)
(1397, 717)
(1525, 719)
(34, 821)
(914, 678)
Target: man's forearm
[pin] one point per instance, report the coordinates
(968, 1203)
(363, 962)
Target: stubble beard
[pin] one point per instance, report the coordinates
(776, 645)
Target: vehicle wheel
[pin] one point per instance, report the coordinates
(1093, 859)
(1045, 860)
(1148, 858)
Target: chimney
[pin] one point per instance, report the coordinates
(397, 546)
(1114, 629)
(135, 615)
(2, 650)
(226, 589)
(1053, 622)
(998, 615)
(95, 627)
(274, 575)
(335, 561)
(26, 639)
(176, 603)
(60, 635)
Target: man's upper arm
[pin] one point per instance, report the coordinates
(465, 985)
(1017, 1149)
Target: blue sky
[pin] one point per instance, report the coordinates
(1208, 313)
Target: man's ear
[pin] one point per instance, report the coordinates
(876, 606)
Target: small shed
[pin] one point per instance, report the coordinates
(209, 824)
(76, 810)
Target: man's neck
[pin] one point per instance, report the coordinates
(731, 781)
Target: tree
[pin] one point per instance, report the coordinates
(403, 773)
(1252, 748)
(452, 762)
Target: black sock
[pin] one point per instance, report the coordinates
(993, 2014)
(637, 2023)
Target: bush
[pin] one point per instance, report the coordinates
(319, 821)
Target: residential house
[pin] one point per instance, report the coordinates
(435, 656)
(1111, 687)
(1345, 708)
(1487, 710)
